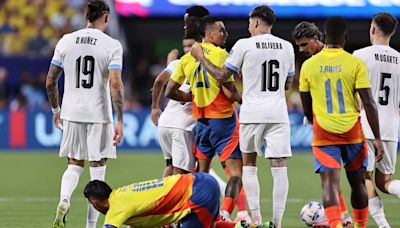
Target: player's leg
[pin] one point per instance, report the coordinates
(346, 218)
(182, 151)
(166, 148)
(203, 150)
(233, 186)
(355, 162)
(375, 204)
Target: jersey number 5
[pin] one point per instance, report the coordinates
(385, 89)
(267, 70)
(88, 69)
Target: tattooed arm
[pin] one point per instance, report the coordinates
(52, 92)
(117, 96)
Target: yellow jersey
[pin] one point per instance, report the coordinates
(150, 203)
(208, 100)
(332, 77)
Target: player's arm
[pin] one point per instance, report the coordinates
(220, 74)
(231, 92)
(158, 87)
(52, 92)
(288, 83)
(306, 100)
(372, 117)
(172, 92)
(117, 97)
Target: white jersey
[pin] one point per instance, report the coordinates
(86, 56)
(177, 114)
(265, 62)
(383, 64)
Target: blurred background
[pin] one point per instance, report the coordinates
(148, 29)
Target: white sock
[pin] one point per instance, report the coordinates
(96, 173)
(252, 189)
(280, 192)
(375, 208)
(394, 188)
(69, 181)
(221, 183)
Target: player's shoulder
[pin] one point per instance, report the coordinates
(363, 51)
(284, 42)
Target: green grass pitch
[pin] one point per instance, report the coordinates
(30, 183)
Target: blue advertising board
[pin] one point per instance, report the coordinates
(241, 8)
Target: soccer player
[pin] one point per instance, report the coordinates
(309, 40)
(92, 64)
(329, 83)
(216, 129)
(383, 63)
(267, 66)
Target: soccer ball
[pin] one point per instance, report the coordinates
(312, 213)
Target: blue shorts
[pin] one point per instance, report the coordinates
(204, 202)
(354, 157)
(219, 136)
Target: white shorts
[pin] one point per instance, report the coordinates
(388, 163)
(87, 141)
(177, 144)
(275, 137)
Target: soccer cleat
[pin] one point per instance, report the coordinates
(61, 214)
(243, 217)
(225, 216)
(347, 220)
(266, 225)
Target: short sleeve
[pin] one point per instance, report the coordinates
(304, 85)
(362, 80)
(291, 71)
(116, 54)
(115, 217)
(236, 56)
(171, 67)
(58, 54)
(178, 74)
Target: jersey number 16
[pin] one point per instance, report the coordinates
(267, 70)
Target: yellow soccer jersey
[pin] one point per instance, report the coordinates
(209, 101)
(332, 77)
(150, 203)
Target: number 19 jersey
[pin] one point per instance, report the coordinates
(383, 63)
(86, 56)
(265, 62)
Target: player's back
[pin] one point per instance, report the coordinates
(267, 62)
(86, 55)
(332, 77)
(383, 63)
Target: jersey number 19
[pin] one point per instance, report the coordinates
(88, 69)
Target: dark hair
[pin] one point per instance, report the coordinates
(306, 29)
(197, 11)
(193, 34)
(335, 30)
(206, 22)
(97, 189)
(96, 9)
(265, 13)
(386, 23)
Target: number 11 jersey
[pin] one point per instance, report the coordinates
(265, 61)
(383, 63)
(86, 56)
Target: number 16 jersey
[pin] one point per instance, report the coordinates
(265, 61)
(383, 63)
(86, 56)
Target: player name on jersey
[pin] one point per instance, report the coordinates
(386, 58)
(86, 40)
(268, 45)
(330, 69)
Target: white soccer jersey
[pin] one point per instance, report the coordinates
(177, 114)
(86, 56)
(383, 64)
(265, 62)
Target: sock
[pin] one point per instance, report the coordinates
(343, 207)
(394, 188)
(221, 183)
(240, 201)
(252, 189)
(360, 217)
(280, 192)
(333, 215)
(228, 205)
(69, 181)
(224, 224)
(96, 173)
(375, 207)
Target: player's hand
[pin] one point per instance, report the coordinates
(197, 51)
(378, 150)
(118, 133)
(57, 121)
(172, 55)
(155, 113)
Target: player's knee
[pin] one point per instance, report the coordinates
(101, 162)
(72, 161)
(368, 175)
(278, 162)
